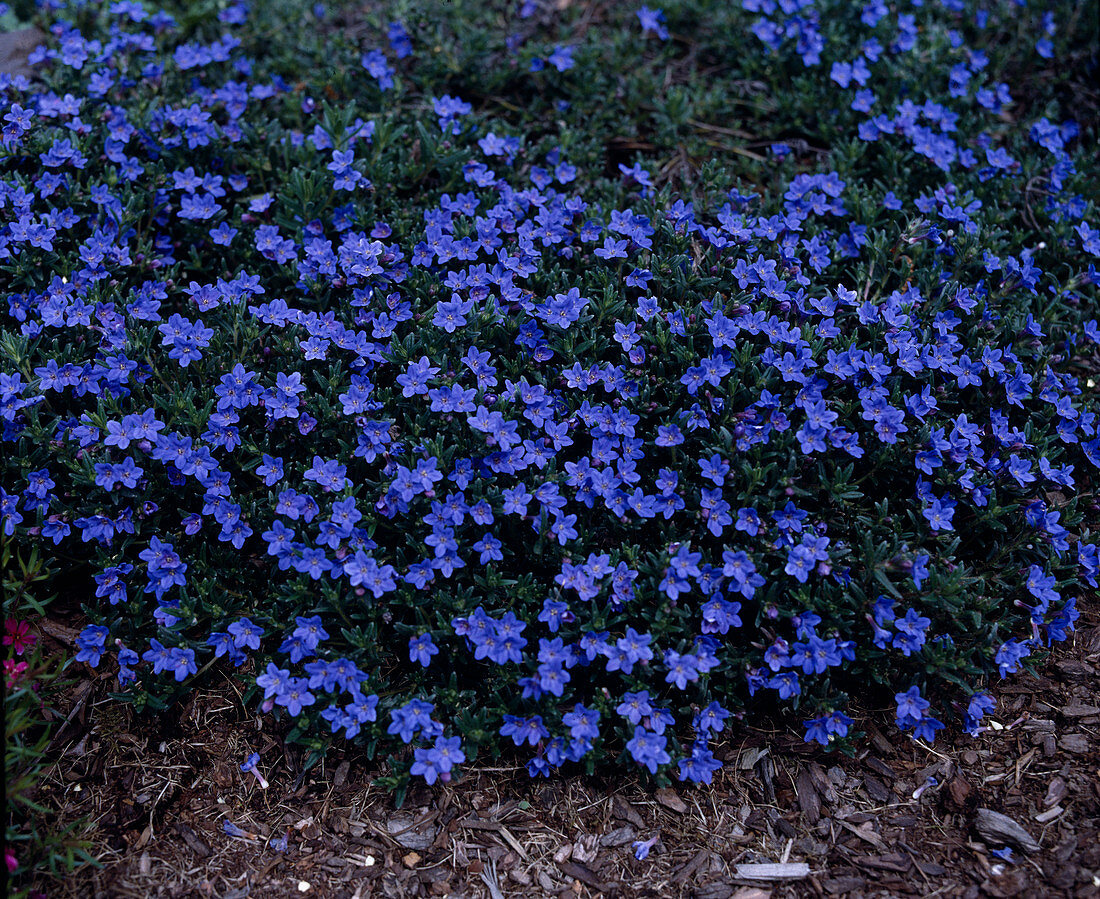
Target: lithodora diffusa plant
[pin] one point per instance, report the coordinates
(454, 435)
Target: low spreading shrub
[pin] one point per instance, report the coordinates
(488, 381)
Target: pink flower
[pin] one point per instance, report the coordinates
(10, 860)
(18, 634)
(13, 671)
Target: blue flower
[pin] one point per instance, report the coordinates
(412, 717)
(294, 694)
(911, 707)
(91, 642)
(652, 21)
(643, 847)
(421, 649)
(524, 730)
(438, 761)
(182, 663)
(648, 749)
(1009, 655)
(246, 635)
(817, 731)
(700, 766)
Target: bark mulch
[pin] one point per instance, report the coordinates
(783, 819)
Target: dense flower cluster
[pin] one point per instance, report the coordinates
(528, 467)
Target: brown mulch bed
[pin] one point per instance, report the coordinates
(158, 792)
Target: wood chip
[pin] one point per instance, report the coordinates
(767, 871)
(59, 631)
(1078, 709)
(995, 828)
(1075, 743)
(846, 884)
(880, 767)
(473, 822)
(411, 860)
(750, 757)
(808, 799)
(716, 889)
(821, 782)
(620, 808)
(146, 835)
(1056, 792)
(513, 842)
(15, 48)
(193, 841)
(1049, 814)
(400, 828)
(682, 875)
(670, 800)
(879, 740)
(876, 789)
(895, 861)
(620, 836)
(585, 875)
(865, 833)
(961, 792)
(766, 772)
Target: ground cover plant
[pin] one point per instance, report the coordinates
(566, 383)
